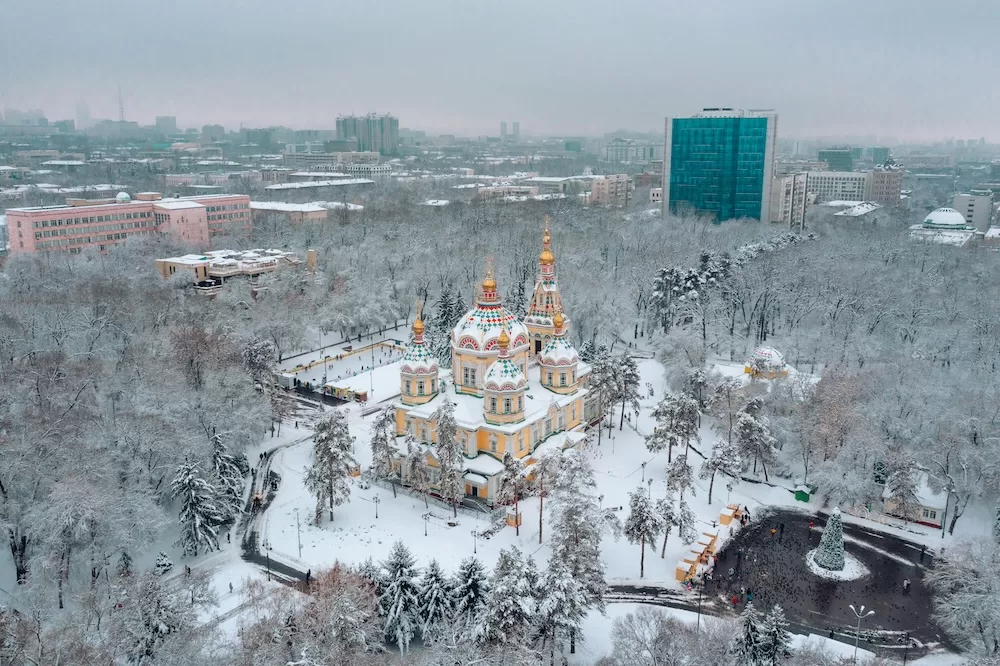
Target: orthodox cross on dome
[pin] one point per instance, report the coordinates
(503, 342)
(547, 259)
(489, 287)
(418, 325)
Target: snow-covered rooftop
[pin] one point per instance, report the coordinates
(436, 202)
(858, 210)
(469, 409)
(282, 207)
(320, 183)
(177, 205)
(318, 174)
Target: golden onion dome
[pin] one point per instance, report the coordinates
(504, 340)
(489, 284)
(418, 326)
(557, 321)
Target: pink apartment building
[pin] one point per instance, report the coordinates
(101, 223)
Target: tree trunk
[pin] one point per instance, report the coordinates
(572, 641)
(517, 521)
(663, 551)
(764, 466)
(541, 501)
(621, 424)
(19, 553)
(426, 505)
(711, 484)
(642, 556)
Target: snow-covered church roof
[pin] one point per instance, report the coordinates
(479, 328)
(767, 359)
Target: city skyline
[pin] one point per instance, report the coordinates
(876, 78)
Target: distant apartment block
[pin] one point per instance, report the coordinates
(656, 195)
(101, 223)
(610, 191)
(517, 132)
(838, 185)
(329, 161)
(720, 162)
(977, 208)
(618, 151)
(788, 200)
(837, 159)
(166, 124)
(886, 184)
(375, 133)
(292, 213)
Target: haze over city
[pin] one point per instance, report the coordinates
(877, 69)
(499, 334)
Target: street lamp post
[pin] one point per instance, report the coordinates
(906, 650)
(298, 531)
(644, 469)
(267, 554)
(376, 500)
(426, 517)
(649, 485)
(697, 626)
(860, 614)
(475, 538)
(729, 489)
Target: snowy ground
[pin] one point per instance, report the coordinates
(597, 630)
(355, 534)
(344, 364)
(853, 568)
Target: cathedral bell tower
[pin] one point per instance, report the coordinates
(545, 300)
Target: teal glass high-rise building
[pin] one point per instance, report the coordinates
(720, 163)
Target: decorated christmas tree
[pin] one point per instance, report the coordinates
(830, 554)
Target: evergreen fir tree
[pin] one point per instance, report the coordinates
(725, 458)
(830, 554)
(751, 644)
(229, 473)
(752, 435)
(576, 534)
(469, 591)
(163, 564)
(374, 574)
(996, 526)
(901, 488)
(533, 577)
(562, 608)
(587, 351)
(777, 639)
(676, 424)
(627, 384)
(667, 511)
(201, 509)
(603, 381)
(686, 522)
(450, 457)
(510, 604)
(326, 479)
(417, 474)
(513, 484)
(124, 567)
(383, 433)
(679, 477)
(400, 599)
(643, 524)
(434, 601)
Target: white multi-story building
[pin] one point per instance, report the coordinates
(610, 191)
(788, 200)
(839, 185)
(976, 206)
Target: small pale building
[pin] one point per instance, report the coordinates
(766, 363)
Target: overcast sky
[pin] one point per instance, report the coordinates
(917, 69)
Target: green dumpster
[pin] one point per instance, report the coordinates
(802, 493)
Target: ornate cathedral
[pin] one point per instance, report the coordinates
(517, 386)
